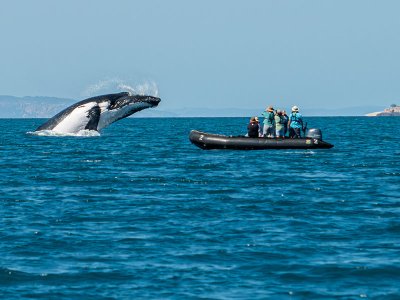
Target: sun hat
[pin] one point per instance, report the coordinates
(295, 108)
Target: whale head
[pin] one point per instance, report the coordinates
(123, 105)
(135, 102)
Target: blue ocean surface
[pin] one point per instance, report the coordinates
(140, 213)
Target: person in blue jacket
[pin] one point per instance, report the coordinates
(269, 122)
(285, 124)
(295, 123)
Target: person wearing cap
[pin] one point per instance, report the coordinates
(253, 129)
(269, 122)
(295, 123)
(279, 124)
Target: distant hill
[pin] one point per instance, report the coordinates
(46, 107)
(31, 107)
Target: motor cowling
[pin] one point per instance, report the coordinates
(314, 133)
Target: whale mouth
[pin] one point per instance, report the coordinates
(154, 101)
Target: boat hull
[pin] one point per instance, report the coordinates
(209, 141)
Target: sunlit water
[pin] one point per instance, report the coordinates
(139, 212)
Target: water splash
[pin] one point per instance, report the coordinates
(114, 84)
(81, 133)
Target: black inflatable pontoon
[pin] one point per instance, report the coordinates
(207, 141)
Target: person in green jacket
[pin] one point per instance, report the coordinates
(280, 123)
(269, 122)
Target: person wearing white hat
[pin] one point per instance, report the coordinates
(295, 123)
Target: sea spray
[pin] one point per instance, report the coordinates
(81, 133)
(114, 84)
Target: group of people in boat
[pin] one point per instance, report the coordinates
(277, 124)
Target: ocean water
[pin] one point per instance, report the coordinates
(140, 213)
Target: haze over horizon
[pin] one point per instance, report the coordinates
(323, 54)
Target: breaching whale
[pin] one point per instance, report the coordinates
(98, 112)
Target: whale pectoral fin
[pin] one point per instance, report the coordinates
(94, 116)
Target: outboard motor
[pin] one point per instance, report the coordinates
(314, 133)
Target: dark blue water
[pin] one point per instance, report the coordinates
(139, 212)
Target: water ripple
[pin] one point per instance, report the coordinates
(135, 214)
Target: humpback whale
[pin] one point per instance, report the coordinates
(98, 112)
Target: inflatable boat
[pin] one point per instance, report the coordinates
(208, 141)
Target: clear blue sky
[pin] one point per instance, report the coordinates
(217, 53)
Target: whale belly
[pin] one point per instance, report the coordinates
(76, 120)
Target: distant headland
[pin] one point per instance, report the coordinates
(393, 110)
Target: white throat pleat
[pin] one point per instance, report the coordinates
(76, 120)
